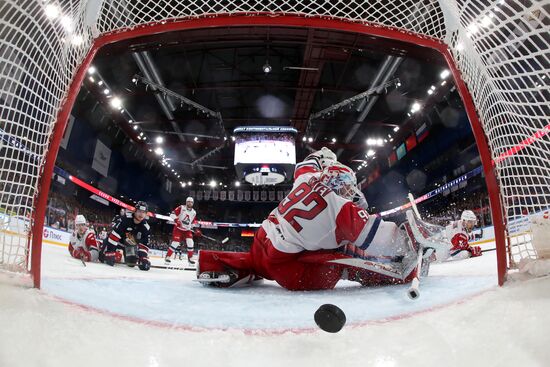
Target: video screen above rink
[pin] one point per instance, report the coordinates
(265, 155)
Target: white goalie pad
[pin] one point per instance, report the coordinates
(429, 235)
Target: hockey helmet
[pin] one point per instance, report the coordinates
(142, 205)
(468, 215)
(80, 219)
(341, 179)
(189, 199)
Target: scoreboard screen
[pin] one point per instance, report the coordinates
(265, 144)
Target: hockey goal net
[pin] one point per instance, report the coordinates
(497, 51)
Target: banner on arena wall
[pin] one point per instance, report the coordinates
(55, 236)
(192, 193)
(231, 195)
(223, 195)
(247, 195)
(67, 133)
(207, 194)
(99, 199)
(255, 195)
(280, 195)
(215, 195)
(263, 195)
(272, 195)
(102, 158)
(199, 195)
(443, 189)
(239, 195)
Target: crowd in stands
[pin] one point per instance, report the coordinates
(62, 209)
(445, 209)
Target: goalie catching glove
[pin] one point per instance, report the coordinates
(324, 157)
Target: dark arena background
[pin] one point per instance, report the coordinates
(437, 105)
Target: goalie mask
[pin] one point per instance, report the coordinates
(341, 179)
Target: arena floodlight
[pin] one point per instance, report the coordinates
(266, 68)
(444, 74)
(116, 102)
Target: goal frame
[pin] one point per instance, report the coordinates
(266, 20)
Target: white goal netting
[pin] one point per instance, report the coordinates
(500, 47)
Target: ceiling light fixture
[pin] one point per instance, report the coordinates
(266, 68)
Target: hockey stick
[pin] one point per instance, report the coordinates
(82, 260)
(215, 240)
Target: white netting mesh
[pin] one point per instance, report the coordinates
(500, 47)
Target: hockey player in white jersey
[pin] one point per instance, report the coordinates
(184, 219)
(83, 243)
(460, 234)
(319, 234)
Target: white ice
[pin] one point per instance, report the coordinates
(102, 316)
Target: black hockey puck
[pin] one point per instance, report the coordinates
(330, 318)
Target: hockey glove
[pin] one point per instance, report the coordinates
(144, 264)
(475, 251)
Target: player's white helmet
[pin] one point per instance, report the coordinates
(468, 215)
(341, 179)
(189, 199)
(80, 219)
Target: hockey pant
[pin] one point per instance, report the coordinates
(308, 270)
(178, 235)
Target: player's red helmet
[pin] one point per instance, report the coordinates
(341, 179)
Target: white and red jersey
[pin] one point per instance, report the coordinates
(184, 218)
(458, 237)
(313, 217)
(86, 241)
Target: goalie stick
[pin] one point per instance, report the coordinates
(414, 290)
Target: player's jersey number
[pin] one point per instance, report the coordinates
(305, 195)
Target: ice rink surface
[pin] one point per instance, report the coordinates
(102, 316)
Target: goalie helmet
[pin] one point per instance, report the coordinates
(468, 215)
(341, 179)
(80, 219)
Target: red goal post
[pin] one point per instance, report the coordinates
(496, 51)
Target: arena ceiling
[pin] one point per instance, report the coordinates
(223, 69)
